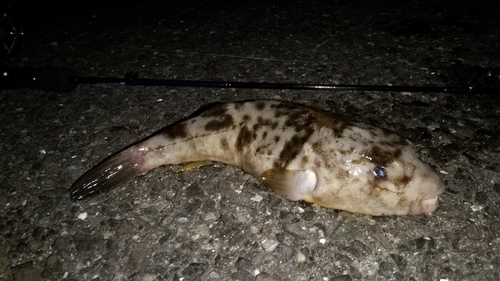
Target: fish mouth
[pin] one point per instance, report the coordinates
(429, 199)
(429, 202)
(424, 206)
(429, 205)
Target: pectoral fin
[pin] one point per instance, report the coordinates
(192, 165)
(291, 184)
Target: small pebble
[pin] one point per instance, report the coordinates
(256, 198)
(269, 245)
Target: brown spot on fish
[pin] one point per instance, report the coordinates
(373, 188)
(264, 135)
(397, 153)
(246, 118)
(291, 149)
(224, 144)
(380, 156)
(342, 175)
(398, 141)
(336, 122)
(282, 109)
(215, 125)
(277, 139)
(237, 105)
(339, 129)
(305, 159)
(261, 150)
(216, 110)
(244, 139)
(402, 182)
(279, 113)
(286, 106)
(260, 105)
(300, 120)
(175, 131)
(402, 200)
(316, 146)
(261, 122)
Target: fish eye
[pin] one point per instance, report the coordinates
(380, 172)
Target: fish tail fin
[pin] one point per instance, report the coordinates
(123, 166)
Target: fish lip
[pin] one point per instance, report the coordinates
(423, 206)
(429, 205)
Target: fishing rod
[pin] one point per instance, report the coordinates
(63, 79)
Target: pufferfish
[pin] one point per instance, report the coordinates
(300, 152)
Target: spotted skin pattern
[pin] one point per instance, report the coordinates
(300, 152)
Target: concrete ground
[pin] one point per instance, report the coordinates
(216, 222)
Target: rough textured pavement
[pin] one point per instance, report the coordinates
(215, 222)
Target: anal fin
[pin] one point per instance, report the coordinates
(195, 164)
(291, 184)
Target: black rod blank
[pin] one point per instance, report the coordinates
(133, 80)
(62, 79)
(264, 85)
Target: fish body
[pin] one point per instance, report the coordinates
(300, 152)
